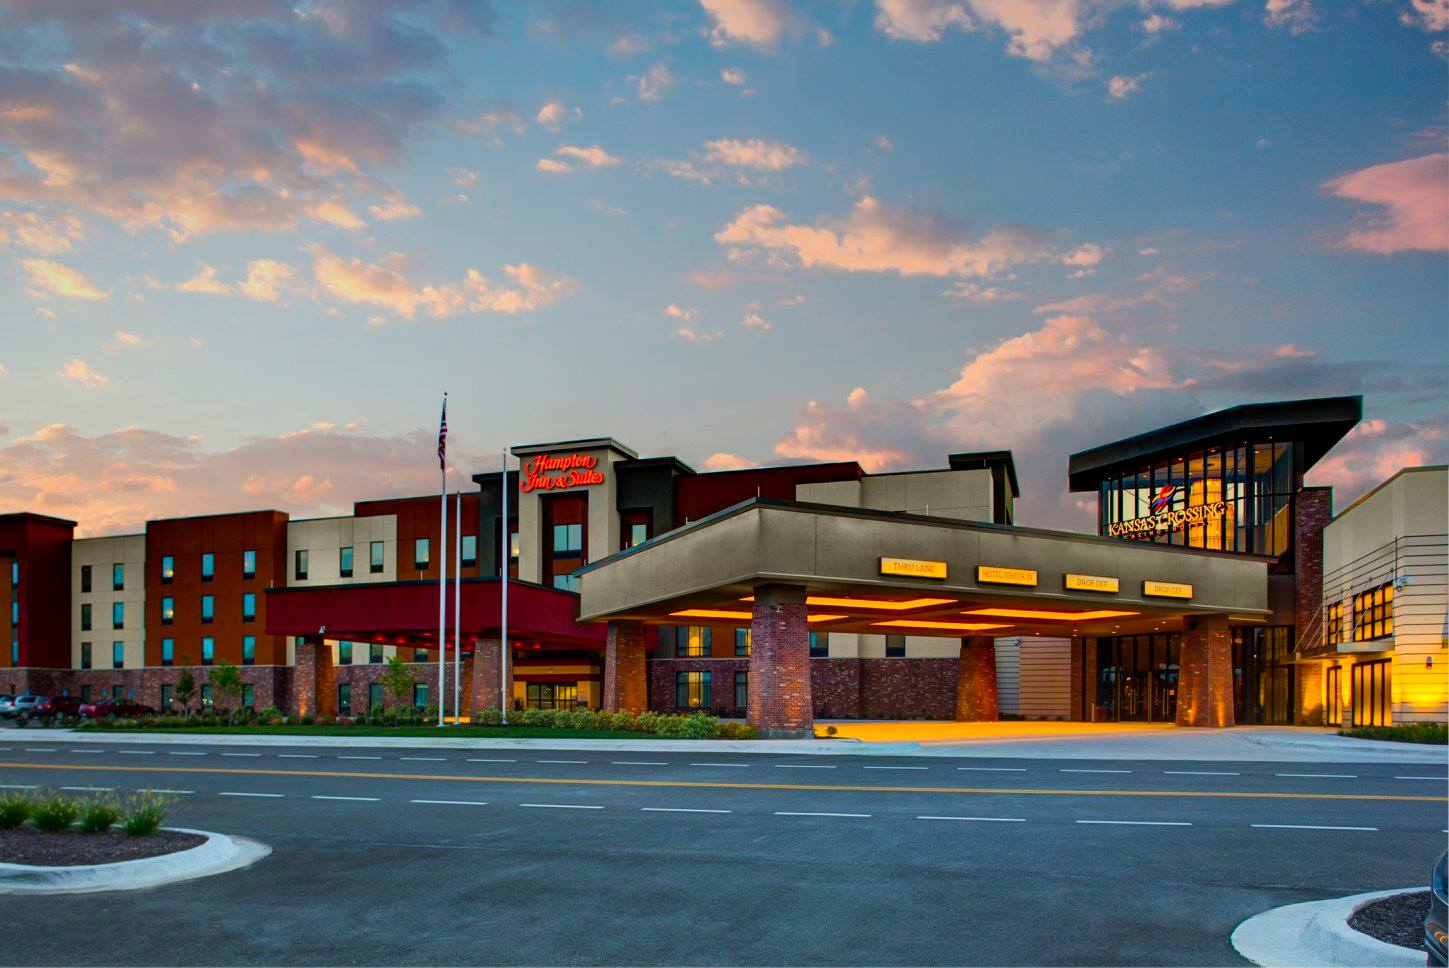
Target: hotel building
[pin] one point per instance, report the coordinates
(786, 593)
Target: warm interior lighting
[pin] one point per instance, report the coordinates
(1043, 614)
(825, 618)
(905, 623)
(740, 616)
(876, 603)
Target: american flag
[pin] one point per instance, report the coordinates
(443, 436)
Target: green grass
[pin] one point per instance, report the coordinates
(328, 729)
(1402, 733)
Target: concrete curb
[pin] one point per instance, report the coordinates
(217, 855)
(1316, 933)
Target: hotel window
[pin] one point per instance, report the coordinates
(249, 695)
(208, 650)
(470, 550)
(1335, 623)
(208, 609)
(693, 640)
(249, 564)
(691, 690)
(85, 578)
(374, 695)
(568, 583)
(421, 553)
(344, 699)
(634, 526)
(208, 566)
(15, 612)
(118, 615)
(420, 695)
(374, 653)
(249, 606)
(206, 694)
(249, 650)
(819, 645)
(118, 693)
(299, 565)
(168, 610)
(14, 574)
(344, 561)
(14, 652)
(895, 646)
(420, 655)
(167, 690)
(85, 655)
(374, 561)
(743, 638)
(85, 693)
(344, 653)
(168, 569)
(1373, 613)
(568, 539)
(742, 689)
(118, 577)
(85, 617)
(168, 651)
(118, 655)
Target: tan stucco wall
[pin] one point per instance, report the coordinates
(963, 495)
(322, 538)
(101, 554)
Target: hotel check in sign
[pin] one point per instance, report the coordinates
(912, 568)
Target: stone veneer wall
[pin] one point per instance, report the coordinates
(1313, 510)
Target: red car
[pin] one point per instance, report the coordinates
(114, 708)
(55, 707)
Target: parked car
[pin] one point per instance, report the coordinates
(54, 707)
(7, 703)
(1436, 924)
(114, 709)
(24, 706)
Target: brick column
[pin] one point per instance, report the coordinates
(626, 687)
(976, 681)
(780, 706)
(314, 680)
(1309, 693)
(487, 663)
(1205, 679)
(1076, 690)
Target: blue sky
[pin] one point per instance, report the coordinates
(247, 246)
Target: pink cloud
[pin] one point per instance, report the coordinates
(1413, 198)
(1375, 450)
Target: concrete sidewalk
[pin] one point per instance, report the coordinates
(1005, 740)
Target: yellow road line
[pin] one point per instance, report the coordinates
(719, 785)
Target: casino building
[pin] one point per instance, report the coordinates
(779, 594)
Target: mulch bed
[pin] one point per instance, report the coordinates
(61, 849)
(1398, 920)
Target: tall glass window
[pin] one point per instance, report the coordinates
(691, 690)
(421, 553)
(743, 638)
(249, 649)
(208, 566)
(344, 653)
(344, 561)
(85, 616)
(118, 615)
(693, 640)
(470, 550)
(374, 560)
(208, 609)
(168, 569)
(249, 564)
(299, 565)
(168, 610)
(249, 607)
(168, 651)
(208, 650)
(742, 689)
(118, 655)
(85, 578)
(118, 577)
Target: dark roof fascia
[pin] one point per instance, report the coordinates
(988, 459)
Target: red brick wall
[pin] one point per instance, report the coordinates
(976, 682)
(1313, 509)
(779, 701)
(835, 688)
(487, 672)
(626, 682)
(721, 682)
(1205, 680)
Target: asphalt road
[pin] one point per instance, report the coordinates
(415, 856)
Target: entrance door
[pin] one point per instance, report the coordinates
(1134, 696)
(1333, 701)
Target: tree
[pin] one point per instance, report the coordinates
(398, 679)
(228, 682)
(185, 689)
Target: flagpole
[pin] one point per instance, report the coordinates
(443, 558)
(458, 608)
(505, 553)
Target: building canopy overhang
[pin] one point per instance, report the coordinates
(886, 573)
(406, 613)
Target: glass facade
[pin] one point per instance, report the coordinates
(1230, 497)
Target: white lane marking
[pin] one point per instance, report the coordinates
(682, 810)
(1323, 776)
(343, 756)
(1303, 826)
(457, 803)
(993, 769)
(163, 790)
(561, 806)
(41, 749)
(319, 796)
(1441, 779)
(184, 753)
(476, 759)
(985, 819)
(1094, 771)
(431, 759)
(1141, 823)
(228, 793)
(895, 767)
(139, 752)
(721, 764)
(90, 789)
(86, 751)
(803, 813)
(241, 754)
(563, 761)
(297, 756)
(802, 766)
(638, 763)
(18, 786)
(1197, 773)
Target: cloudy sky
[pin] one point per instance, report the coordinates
(245, 246)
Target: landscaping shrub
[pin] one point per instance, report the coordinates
(98, 816)
(1402, 733)
(55, 812)
(15, 809)
(143, 813)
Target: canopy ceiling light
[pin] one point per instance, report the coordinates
(876, 603)
(1050, 616)
(740, 616)
(902, 623)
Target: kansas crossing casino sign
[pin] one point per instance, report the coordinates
(1160, 520)
(550, 472)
